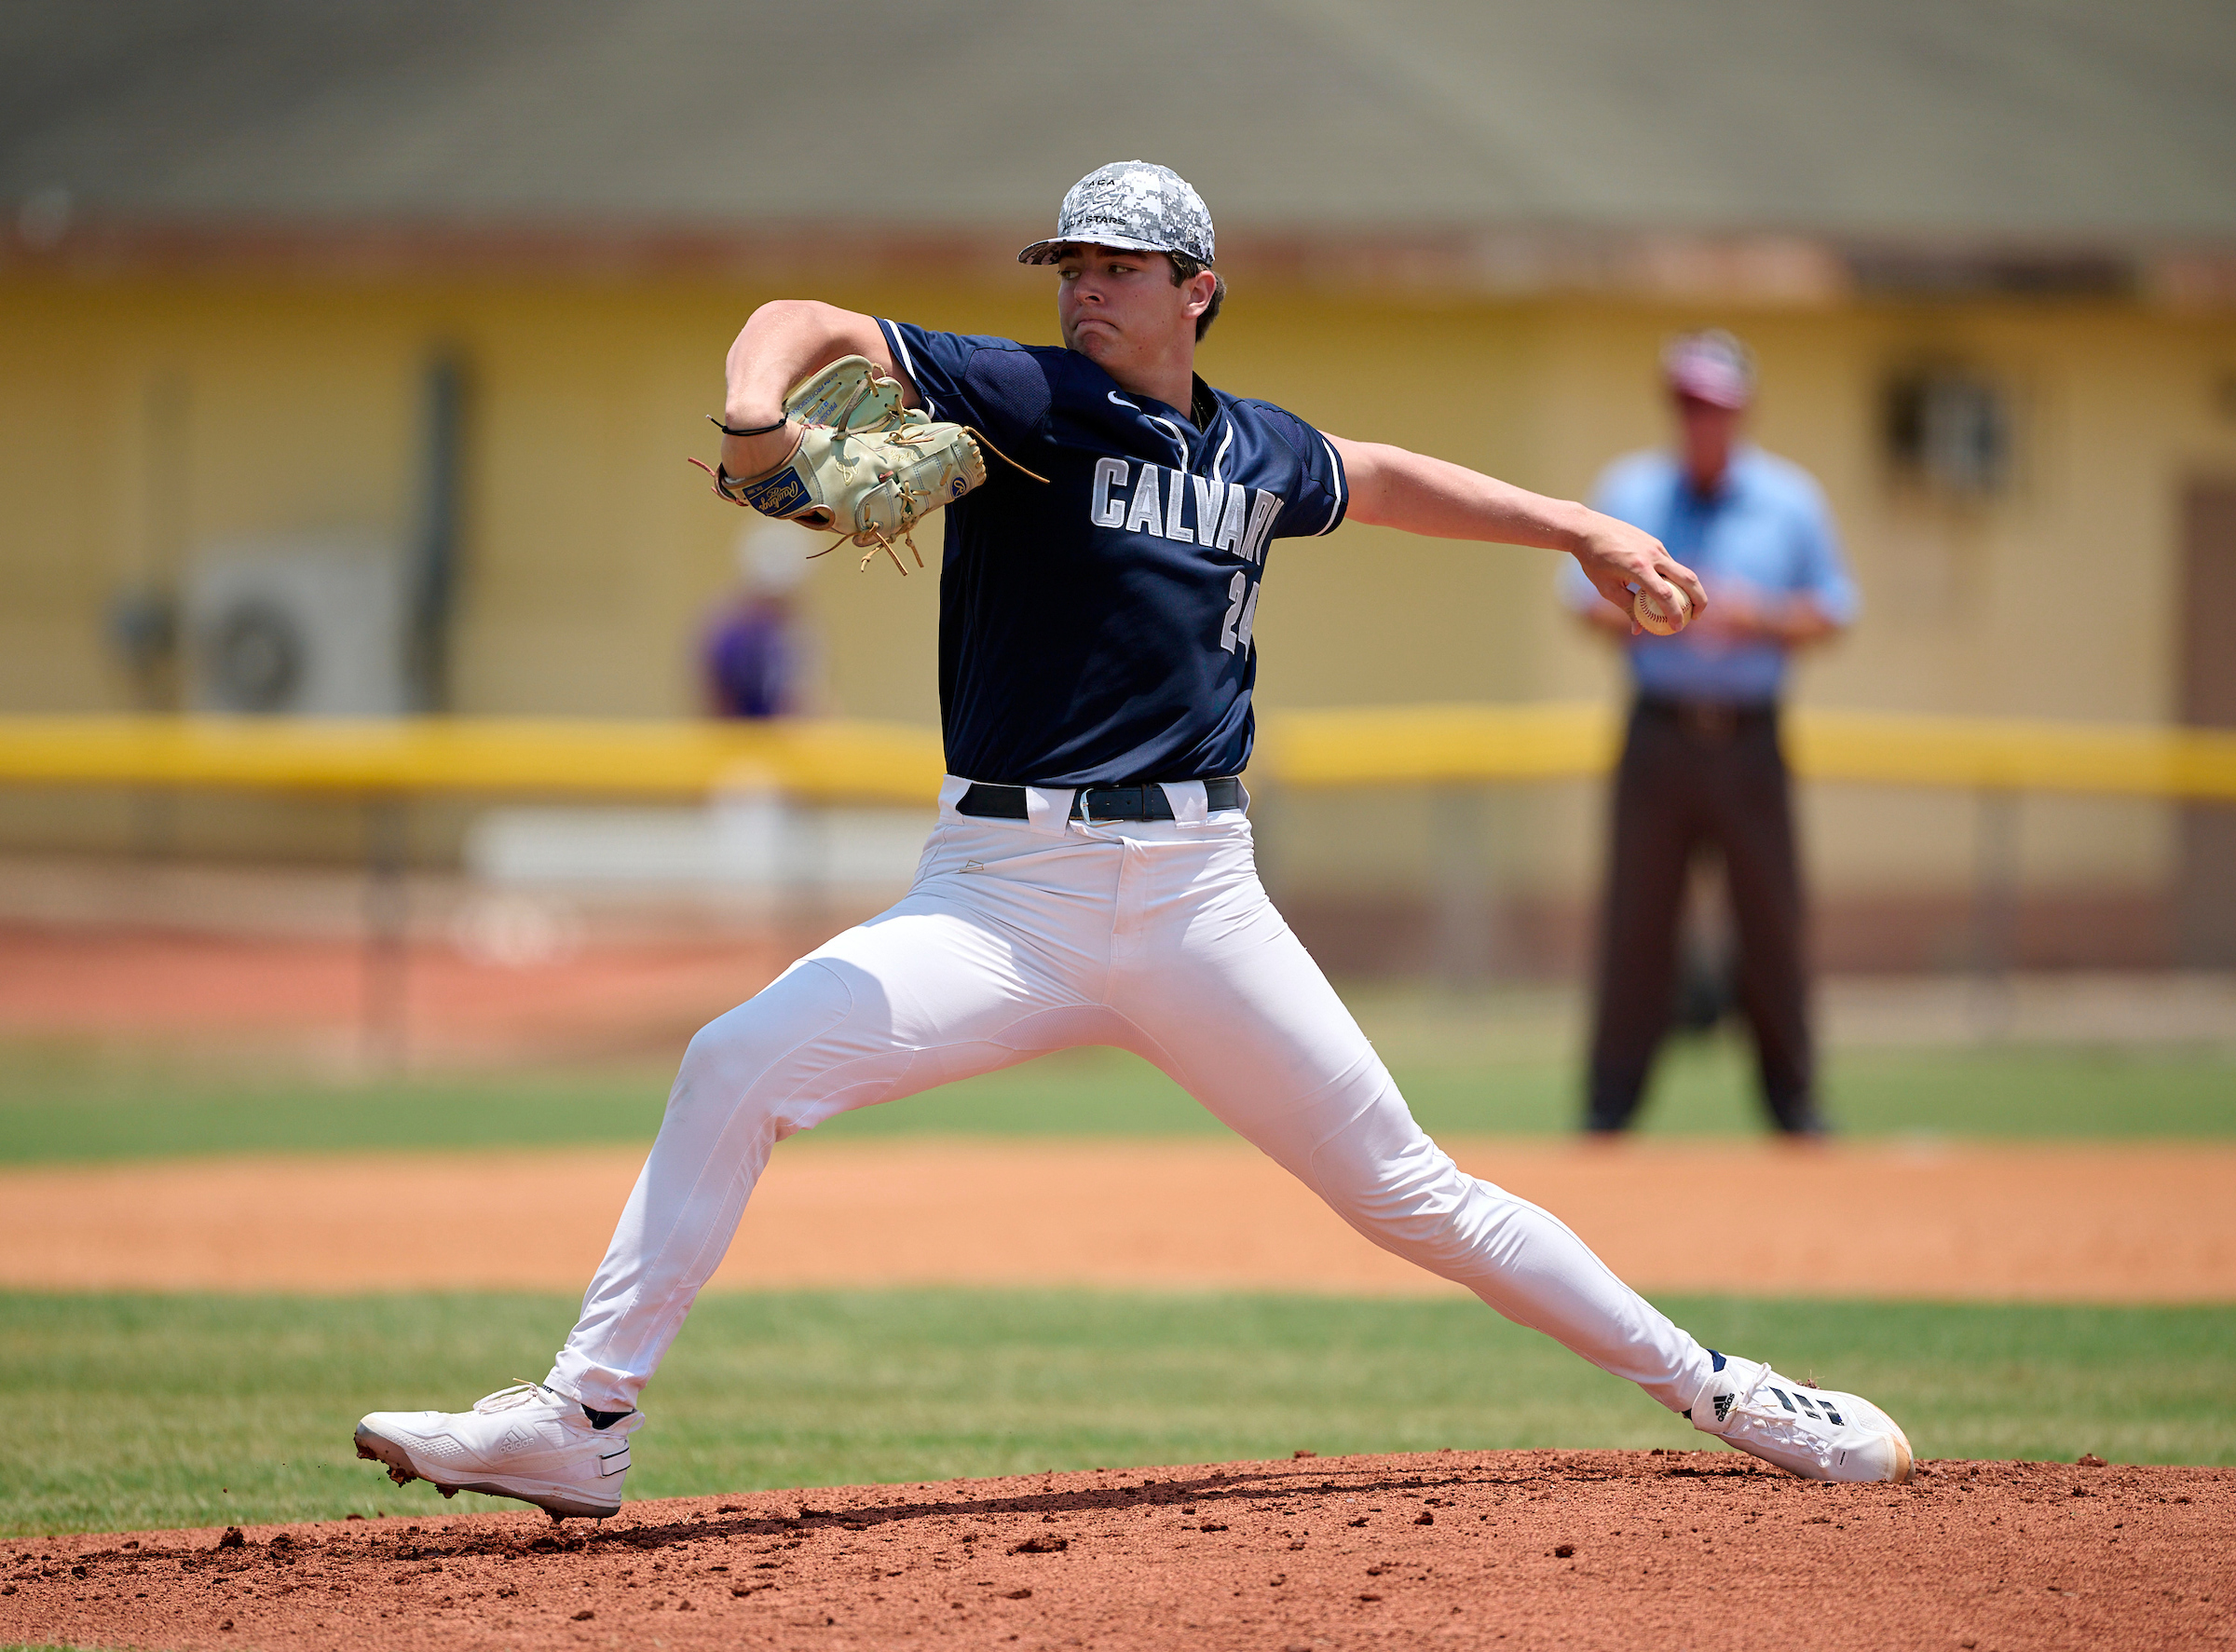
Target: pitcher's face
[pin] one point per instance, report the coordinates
(1120, 308)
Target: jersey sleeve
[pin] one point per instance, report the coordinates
(968, 379)
(1317, 500)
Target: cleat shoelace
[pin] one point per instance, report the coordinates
(522, 1392)
(1784, 1423)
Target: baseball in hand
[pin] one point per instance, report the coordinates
(1650, 613)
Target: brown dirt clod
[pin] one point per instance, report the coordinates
(1996, 1553)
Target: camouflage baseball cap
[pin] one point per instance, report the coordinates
(1134, 205)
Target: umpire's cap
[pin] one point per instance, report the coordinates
(1710, 366)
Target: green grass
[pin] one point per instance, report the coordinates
(1706, 1088)
(145, 1411)
(62, 1102)
(68, 1104)
(1703, 1087)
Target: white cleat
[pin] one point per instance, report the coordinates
(1813, 1432)
(524, 1442)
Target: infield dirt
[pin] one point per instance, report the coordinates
(1579, 1550)
(2060, 1221)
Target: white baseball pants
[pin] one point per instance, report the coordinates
(1019, 937)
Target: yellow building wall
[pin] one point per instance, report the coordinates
(140, 421)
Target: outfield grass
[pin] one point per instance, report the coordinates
(65, 1104)
(144, 1410)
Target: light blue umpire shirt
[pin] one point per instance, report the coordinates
(1766, 527)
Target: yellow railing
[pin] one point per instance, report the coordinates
(900, 763)
(1452, 745)
(878, 763)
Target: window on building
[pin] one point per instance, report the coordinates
(1950, 429)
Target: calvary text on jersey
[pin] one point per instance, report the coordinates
(1186, 508)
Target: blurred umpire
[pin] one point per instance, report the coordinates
(1701, 773)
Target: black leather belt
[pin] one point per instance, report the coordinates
(1093, 803)
(1715, 722)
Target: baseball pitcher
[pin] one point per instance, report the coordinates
(1110, 519)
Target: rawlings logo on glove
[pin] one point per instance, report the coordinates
(864, 467)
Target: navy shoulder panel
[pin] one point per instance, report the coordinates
(1013, 380)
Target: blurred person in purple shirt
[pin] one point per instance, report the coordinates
(1701, 773)
(753, 655)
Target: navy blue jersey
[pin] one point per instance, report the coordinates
(1097, 629)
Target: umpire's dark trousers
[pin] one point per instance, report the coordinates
(1698, 777)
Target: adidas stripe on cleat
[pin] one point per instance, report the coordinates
(1813, 1432)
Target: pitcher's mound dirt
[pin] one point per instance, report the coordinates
(1494, 1549)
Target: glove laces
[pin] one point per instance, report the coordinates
(908, 497)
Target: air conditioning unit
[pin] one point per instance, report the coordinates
(302, 627)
